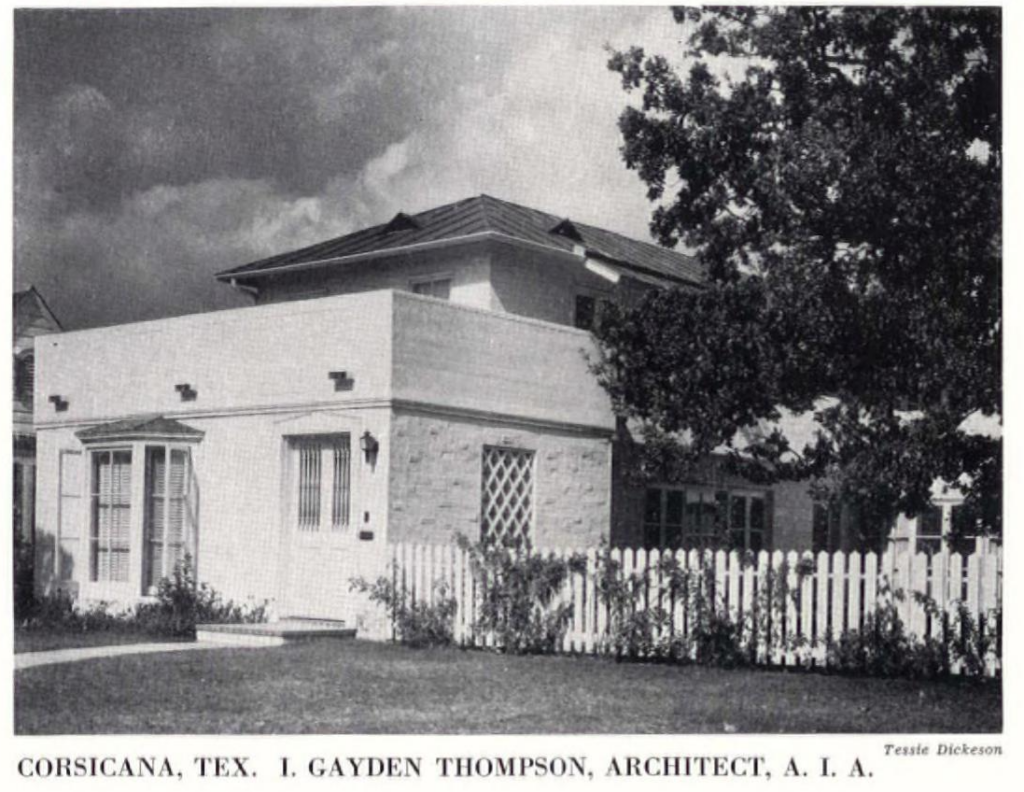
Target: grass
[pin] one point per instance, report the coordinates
(361, 687)
(47, 640)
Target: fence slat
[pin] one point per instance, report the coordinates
(789, 605)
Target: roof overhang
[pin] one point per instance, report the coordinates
(153, 429)
(608, 266)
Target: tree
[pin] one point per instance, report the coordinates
(844, 197)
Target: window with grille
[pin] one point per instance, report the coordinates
(166, 495)
(507, 507)
(324, 476)
(110, 535)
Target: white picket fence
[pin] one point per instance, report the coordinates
(818, 598)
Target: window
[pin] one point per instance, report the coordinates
(436, 287)
(164, 530)
(506, 515)
(700, 518)
(664, 517)
(747, 522)
(826, 527)
(110, 495)
(929, 530)
(24, 378)
(323, 482)
(588, 311)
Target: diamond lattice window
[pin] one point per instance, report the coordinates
(507, 509)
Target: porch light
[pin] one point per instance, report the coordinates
(369, 444)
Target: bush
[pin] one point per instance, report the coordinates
(180, 605)
(518, 591)
(24, 564)
(417, 623)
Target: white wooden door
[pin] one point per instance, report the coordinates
(320, 473)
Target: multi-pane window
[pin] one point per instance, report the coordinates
(324, 482)
(165, 509)
(701, 518)
(929, 530)
(110, 500)
(437, 287)
(506, 515)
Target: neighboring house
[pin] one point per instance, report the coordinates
(32, 317)
(406, 383)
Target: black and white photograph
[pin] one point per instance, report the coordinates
(510, 371)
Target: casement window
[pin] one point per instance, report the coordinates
(694, 517)
(143, 509)
(323, 482)
(111, 502)
(439, 287)
(507, 496)
(167, 486)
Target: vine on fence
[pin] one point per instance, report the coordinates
(417, 623)
(516, 605)
(678, 611)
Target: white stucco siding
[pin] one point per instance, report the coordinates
(468, 268)
(543, 286)
(245, 534)
(256, 357)
(495, 364)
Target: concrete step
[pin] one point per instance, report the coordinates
(273, 633)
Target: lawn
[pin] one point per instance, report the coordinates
(46, 640)
(361, 687)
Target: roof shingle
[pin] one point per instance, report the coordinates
(482, 214)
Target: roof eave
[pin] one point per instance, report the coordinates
(231, 276)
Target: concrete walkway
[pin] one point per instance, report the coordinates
(33, 659)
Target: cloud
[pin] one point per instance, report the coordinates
(153, 148)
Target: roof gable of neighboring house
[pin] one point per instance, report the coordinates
(483, 217)
(32, 317)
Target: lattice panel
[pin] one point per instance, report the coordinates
(507, 508)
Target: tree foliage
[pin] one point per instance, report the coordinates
(844, 197)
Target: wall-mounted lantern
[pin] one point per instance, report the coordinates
(60, 404)
(368, 443)
(188, 393)
(342, 381)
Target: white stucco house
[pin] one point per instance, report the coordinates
(405, 383)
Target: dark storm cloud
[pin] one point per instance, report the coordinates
(155, 147)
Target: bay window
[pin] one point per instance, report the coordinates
(142, 505)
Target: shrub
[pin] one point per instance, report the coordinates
(182, 603)
(517, 594)
(417, 623)
(24, 564)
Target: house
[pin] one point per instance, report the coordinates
(406, 383)
(32, 317)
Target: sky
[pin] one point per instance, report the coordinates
(154, 148)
